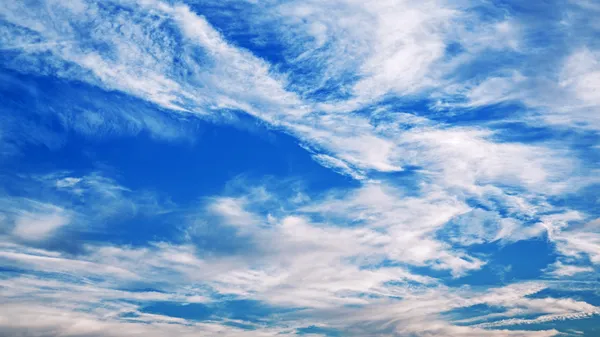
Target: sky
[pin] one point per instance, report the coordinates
(247, 168)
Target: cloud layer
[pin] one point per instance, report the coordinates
(463, 137)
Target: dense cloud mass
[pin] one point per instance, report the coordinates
(299, 168)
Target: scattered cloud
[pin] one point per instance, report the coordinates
(461, 129)
(560, 269)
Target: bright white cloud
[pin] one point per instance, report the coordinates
(580, 240)
(321, 266)
(38, 226)
(32, 220)
(581, 75)
(559, 269)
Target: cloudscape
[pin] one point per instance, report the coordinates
(317, 168)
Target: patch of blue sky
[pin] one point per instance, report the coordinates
(319, 330)
(117, 144)
(59, 108)
(588, 326)
(509, 262)
(191, 311)
(244, 25)
(249, 311)
(125, 125)
(493, 63)
(472, 312)
(585, 199)
(518, 131)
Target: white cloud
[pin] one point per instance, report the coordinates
(467, 157)
(541, 319)
(581, 75)
(67, 182)
(33, 319)
(304, 264)
(559, 269)
(32, 220)
(338, 166)
(100, 197)
(496, 90)
(305, 282)
(61, 265)
(579, 240)
(566, 97)
(38, 226)
(387, 46)
(418, 313)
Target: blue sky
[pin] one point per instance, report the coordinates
(299, 168)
